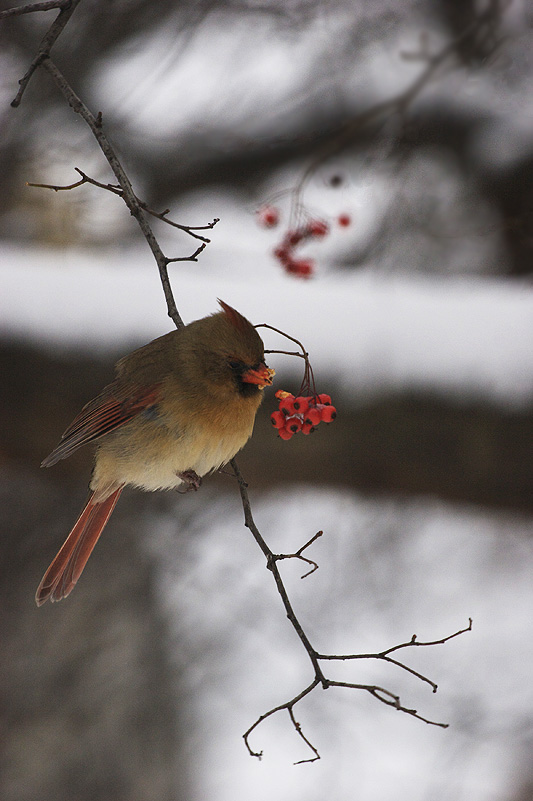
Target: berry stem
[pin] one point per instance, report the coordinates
(308, 383)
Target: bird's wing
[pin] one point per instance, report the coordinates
(112, 408)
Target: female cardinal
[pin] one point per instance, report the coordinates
(181, 406)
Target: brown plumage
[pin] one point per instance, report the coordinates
(180, 407)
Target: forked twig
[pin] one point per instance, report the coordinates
(117, 190)
(298, 555)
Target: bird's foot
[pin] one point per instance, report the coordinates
(191, 479)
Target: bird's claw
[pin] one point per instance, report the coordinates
(191, 479)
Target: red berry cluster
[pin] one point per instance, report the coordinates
(269, 216)
(315, 229)
(301, 413)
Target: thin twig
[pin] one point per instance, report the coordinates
(308, 381)
(289, 705)
(46, 45)
(117, 190)
(128, 195)
(388, 698)
(48, 5)
(384, 655)
(272, 566)
(298, 555)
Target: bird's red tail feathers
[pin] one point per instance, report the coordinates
(62, 575)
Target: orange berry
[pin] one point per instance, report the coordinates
(281, 393)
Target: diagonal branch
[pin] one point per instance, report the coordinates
(47, 5)
(128, 195)
(47, 42)
(272, 566)
(380, 693)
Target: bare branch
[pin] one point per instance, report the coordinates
(59, 188)
(388, 698)
(289, 706)
(308, 381)
(128, 195)
(384, 655)
(272, 566)
(48, 5)
(298, 555)
(381, 693)
(193, 257)
(117, 190)
(46, 45)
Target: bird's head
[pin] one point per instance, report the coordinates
(231, 353)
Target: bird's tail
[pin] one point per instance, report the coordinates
(62, 575)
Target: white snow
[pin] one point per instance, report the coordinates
(369, 332)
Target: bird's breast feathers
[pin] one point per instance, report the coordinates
(162, 442)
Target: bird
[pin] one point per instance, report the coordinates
(179, 408)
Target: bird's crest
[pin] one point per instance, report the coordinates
(237, 320)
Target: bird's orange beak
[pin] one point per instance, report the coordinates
(262, 376)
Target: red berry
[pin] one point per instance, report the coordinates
(281, 394)
(277, 419)
(294, 237)
(325, 399)
(268, 216)
(285, 433)
(294, 424)
(286, 406)
(307, 428)
(282, 254)
(344, 220)
(301, 267)
(312, 416)
(317, 228)
(301, 404)
(328, 414)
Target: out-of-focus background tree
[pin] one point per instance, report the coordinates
(418, 321)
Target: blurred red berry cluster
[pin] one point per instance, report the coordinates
(301, 413)
(284, 253)
(269, 216)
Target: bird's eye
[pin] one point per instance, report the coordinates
(235, 364)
